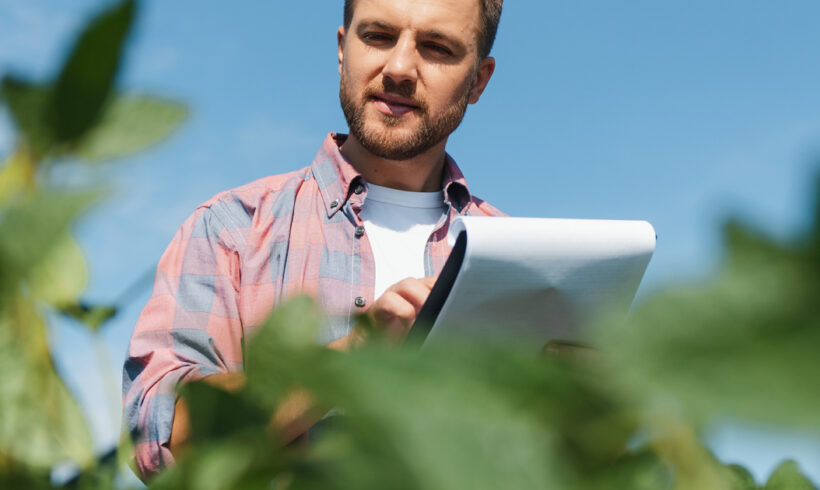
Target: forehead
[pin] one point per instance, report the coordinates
(457, 18)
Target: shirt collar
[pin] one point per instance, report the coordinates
(456, 192)
(337, 178)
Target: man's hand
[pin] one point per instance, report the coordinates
(393, 313)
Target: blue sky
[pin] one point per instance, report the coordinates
(681, 113)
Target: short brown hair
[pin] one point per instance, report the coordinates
(490, 15)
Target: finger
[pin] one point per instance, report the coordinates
(414, 291)
(429, 281)
(393, 311)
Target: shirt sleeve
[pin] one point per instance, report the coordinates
(189, 329)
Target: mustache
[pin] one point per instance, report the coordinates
(405, 90)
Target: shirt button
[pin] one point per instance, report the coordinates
(358, 189)
(334, 204)
(359, 301)
(359, 230)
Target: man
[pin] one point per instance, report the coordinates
(363, 228)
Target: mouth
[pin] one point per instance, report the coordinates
(393, 105)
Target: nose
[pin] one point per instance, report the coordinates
(401, 66)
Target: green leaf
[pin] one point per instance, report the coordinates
(742, 346)
(27, 103)
(208, 422)
(130, 124)
(61, 276)
(642, 470)
(292, 326)
(246, 462)
(92, 316)
(40, 423)
(222, 467)
(289, 331)
(16, 176)
(32, 228)
(86, 80)
(787, 476)
(13, 475)
(444, 418)
(743, 478)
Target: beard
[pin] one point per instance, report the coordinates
(383, 138)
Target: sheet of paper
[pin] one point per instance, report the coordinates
(534, 280)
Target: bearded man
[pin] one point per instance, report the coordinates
(362, 229)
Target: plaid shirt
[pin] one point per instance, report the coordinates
(235, 258)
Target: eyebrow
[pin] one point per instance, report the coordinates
(428, 34)
(366, 24)
(440, 36)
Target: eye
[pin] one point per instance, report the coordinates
(438, 49)
(376, 38)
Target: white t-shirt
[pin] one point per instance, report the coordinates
(398, 224)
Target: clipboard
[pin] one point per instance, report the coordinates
(530, 281)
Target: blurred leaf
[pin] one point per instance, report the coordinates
(444, 418)
(291, 327)
(743, 478)
(40, 423)
(243, 462)
(742, 346)
(222, 467)
(468, 420)
(422, 424)
(32, 227)
(289, 331)
(639, 471)
(86, 80)
(61, 276)
(16, 176)
(13, 476)
(130, 124)
(27, 103)
(92, 316)
(208, 422)
(103, 474)
(693, 465)
(787, 476)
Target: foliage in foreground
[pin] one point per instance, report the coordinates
(75, 119)
(627, 415)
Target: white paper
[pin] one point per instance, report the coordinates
(535, 280)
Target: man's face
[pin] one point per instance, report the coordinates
(408, 70)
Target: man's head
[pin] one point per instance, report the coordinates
(490, 14)
(409, 68)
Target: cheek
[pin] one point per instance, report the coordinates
(360, 67)
(350, 84)
(448, 89)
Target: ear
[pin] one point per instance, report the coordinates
(482, 78)
(340, 40)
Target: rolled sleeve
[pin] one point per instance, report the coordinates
(189, 329)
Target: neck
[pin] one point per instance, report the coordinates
(422, 173)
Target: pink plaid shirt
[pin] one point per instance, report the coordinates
(235, 258)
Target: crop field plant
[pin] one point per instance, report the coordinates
(630, 412)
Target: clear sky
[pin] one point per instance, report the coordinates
(678, 112)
